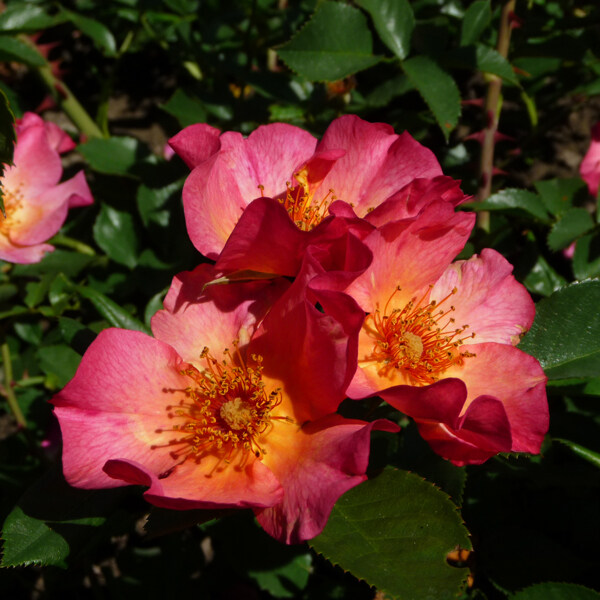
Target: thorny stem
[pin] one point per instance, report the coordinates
(8, 385)
(492, 101)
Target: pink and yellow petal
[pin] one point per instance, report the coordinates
(325, 459)
(411, 254)
(518, 381)
(496, 307)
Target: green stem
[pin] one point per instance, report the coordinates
(67, 242)
(8, 384)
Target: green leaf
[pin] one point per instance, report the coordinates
(52, 520)
(557, 194)
(59, 261)
(437, 88)
(543, 279)
(115, 233)
(491, 61)
(513, 199)
(151, 200)
(394, 21)
(110, 310)
(98, 32)
(556, 591)
(475, 20)
(335, 43)
(586, 260)
(394, 532)
(585, 453)
(565, 336)
(13, 50)
(59, 363)
(185, 108)
(573, 224)
(26, 17)
(283, 581)
(115, 155)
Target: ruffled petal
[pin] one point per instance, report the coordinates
(329, 457)
(215, 316)
(196, 143)
(496, 307)
(590, 166)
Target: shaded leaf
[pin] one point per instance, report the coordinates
(284, 581)
(573, 224)
(186, 109)
(59, 363)
(394, 21)
(557, 194)
(26, 17)
(335, 43)
(586, 260)
(556, 591)
(437, 88)
(98, 32)
(115, 233)
(511, 199)
(113, 156)
(394, 532)
(475, 20)
(13, 50)
(116, 315)
(543, 279)
(565, 336)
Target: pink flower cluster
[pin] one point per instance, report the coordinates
(36, 204)
(233, 402)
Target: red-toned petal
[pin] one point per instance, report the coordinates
(496, 307)
(411, 254)
(415, 196)
(215, 316)
(196, 143)
(312, 353)
(590, 166)
(191, 486)
(329, 457)
(518, 381)
(377, 163)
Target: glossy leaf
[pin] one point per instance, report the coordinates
(573, 224)
(394, 531)
(115, 233)
(586, 260)
(556, 591)
(186, 109)
(14, 50)
(98, 32)
(513, 199)
(59, 363)
(565, 336)
(543, 279)
(394, 21)
(437, 88)
(26, 17)
(335, 43)
(113, 156)
(474, 22)
(557, 194)
(115, 314)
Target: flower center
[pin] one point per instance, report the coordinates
(298, 202)
(13, 201)
(419, 339)
(225, 412)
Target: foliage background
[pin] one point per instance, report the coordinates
(124, 75)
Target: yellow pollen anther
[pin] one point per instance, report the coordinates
(417, 340)
(236, 413)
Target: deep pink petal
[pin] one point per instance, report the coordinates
(377, 162)
(496, 307)
(415, 196)
(22, 254)
(266, 240)
(590, 166)
(331, 459)
(58, 139)
(80, 193)
(518, 381)
(411, 254)
(189, 488)
(312, 352)
(37, 165)
(215, 316)
(196, 143)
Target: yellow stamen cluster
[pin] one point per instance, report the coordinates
(419, 339)
(225, 412)
(298, 202)
(13, 200)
